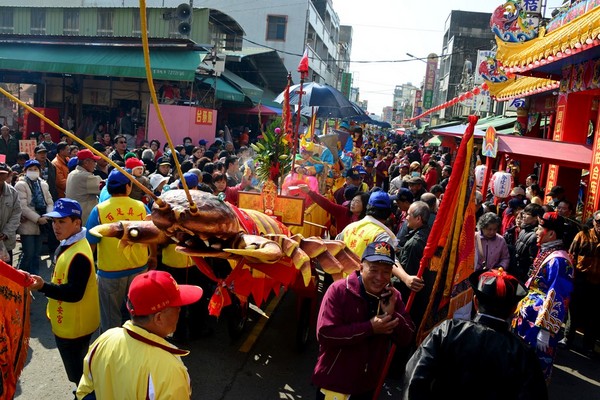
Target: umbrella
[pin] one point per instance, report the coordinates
(259, 108)
(316, 95)
(381, 124)
(352, 111)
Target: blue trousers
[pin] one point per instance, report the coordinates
(30, 258)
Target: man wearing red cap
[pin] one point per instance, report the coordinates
(541, 313)
(479, 359)
(82, 185)
(135, 361)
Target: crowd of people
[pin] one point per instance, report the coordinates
(383, 211)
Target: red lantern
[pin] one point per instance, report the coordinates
(476, 91)
(501, 184)
(484, 86)
(469, 95)
(462, 97)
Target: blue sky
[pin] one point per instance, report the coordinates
(388, 29)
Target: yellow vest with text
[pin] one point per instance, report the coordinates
(175, 259)
(358, 235)
(111, 257)
(74, 320)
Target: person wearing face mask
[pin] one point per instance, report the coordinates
(134, 360)
(35, 199)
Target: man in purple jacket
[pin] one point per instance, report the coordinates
(358, 317)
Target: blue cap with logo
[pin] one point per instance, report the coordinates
(65, 207)
(117, 178)
(191, 180)
(381, 252)
(32, 163)
(380, 199)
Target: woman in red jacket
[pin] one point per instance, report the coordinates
(344, 214)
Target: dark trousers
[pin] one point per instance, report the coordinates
(72, 352)
(584, 312)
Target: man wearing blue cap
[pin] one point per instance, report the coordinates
(72, 293)
(371, 228)
(117, 266)
(358, 318)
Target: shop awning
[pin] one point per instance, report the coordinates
(576, 36)
(126, 62)
(496, 122)
(252, 91)
(573, 155)
(225, 91)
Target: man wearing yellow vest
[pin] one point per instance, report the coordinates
(116, 266)
(72, 293)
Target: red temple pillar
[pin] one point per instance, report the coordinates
(571, 125)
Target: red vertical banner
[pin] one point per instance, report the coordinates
(592, 199)
(558, 134)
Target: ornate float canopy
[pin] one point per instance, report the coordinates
(576, 36)
(521, 87)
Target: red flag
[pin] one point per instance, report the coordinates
(303, 66)
(286, 114)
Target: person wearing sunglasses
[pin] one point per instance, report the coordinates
(118, 154)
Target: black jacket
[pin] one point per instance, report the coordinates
(478, 359)
(526, 249)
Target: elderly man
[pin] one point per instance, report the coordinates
(478, 359)
(9, 145)
(359, 317)
(82, 185)
(135, 361)
(10, 211)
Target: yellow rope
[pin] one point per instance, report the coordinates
(78, 140)
(150, 80)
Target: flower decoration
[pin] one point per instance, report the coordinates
(273, 159)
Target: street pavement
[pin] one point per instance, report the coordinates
(259, 365)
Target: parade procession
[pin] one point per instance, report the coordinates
(251, 200)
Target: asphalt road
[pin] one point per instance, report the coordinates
(261, 364)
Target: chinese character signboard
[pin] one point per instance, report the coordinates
(418, 103)
(182, 121)
(592, 201)
(346, 84)
(28, 146)
(429, 86)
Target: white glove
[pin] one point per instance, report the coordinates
(543, 340)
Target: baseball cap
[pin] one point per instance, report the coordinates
(31, 163)
(133, 162)
(552, 221)
(153, 291)
(202, 142)
(369, 163)
(415, 180)
(344, 125)
(379, 252)
(86, 154)
(380, 199)
(496, 285)
(156, 180)
(40, 149)
(191, 179)
(353, 174)
(360, 169)
(65, 207)
(72, 162)
(403, 194)
(556, 190)
(367, 158)
(350, 191)
(117, 178)
(4, 168)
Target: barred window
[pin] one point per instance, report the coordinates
(38, 21)
(71, 22)
(105, 22)
(6, 21)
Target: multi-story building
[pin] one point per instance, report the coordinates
(465, 32)
(387, 114)
(290, 27)
(403, 104)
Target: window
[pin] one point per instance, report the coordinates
(71, 22)
(276, 27)
(38, 21)
(6, 21)
(105, 22)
